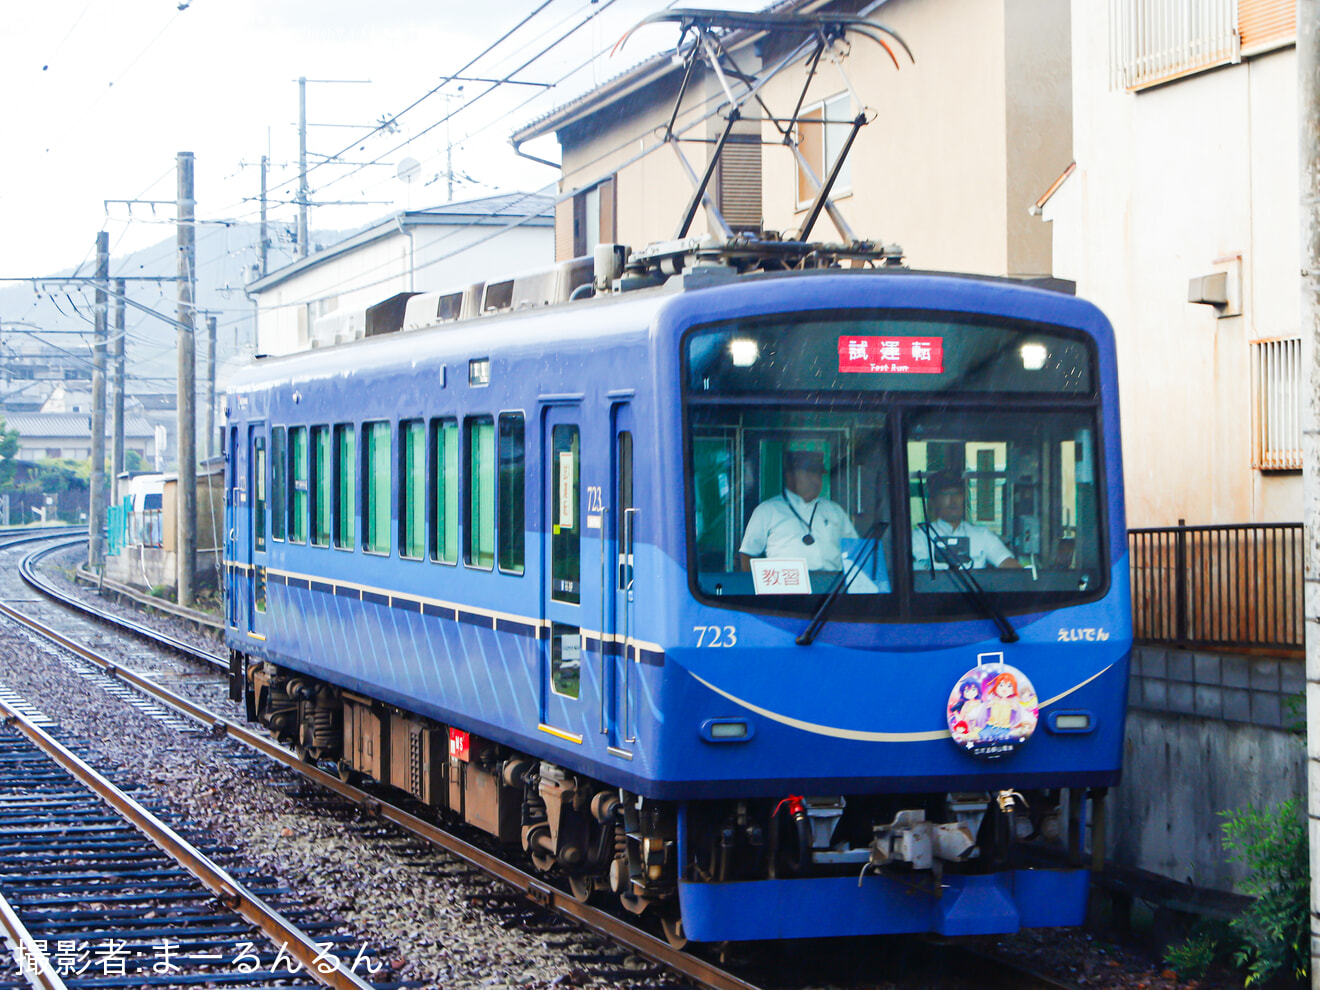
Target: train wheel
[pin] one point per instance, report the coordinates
(582, 888)
(345, 772)
(671, 922)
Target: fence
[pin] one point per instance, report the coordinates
(1218, 586)
(127, 528)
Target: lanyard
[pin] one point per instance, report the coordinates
(808, 539)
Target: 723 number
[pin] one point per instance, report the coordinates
(716, 636)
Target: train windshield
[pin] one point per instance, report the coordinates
(918, 465)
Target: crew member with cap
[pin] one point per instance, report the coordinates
(799, 523)
(949, 535)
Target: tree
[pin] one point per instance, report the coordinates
(8, 453)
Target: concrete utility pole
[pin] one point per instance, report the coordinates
(302, 166)
(186, 507)
(117, 406)
(96, 501)
(263, 246)
(1308, 140)
(209, 418)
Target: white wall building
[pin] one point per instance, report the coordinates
(1185, 139)
(445, 247)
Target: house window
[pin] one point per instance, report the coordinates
(593, 218)
(1155, 41)
(1276, 368)
(822, 133)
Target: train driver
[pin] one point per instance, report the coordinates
(950, 535)
(800, 523)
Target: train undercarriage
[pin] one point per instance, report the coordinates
(604, 841)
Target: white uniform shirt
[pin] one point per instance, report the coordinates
(774, 531)
(982, 545)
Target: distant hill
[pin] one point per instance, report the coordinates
(226, 260)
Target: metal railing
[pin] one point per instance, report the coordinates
(1237, 586)
(127, 528)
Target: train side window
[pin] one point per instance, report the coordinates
(566, 533)
(376, 488)
(565, 660)
(278, 469)
(298, 484)
(345, 508)
(412, 489)
(259, 496)
(479, 505)
(513, 494)
(444, 491)
(321, 486)
(623, 519)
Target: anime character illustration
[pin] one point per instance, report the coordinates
(992, 710)
(965, 711)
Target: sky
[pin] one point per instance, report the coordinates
(101, 96)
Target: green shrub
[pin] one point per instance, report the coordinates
(1192, 957)
(1275, 930)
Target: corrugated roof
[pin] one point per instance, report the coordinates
(35, 426)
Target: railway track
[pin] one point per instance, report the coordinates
(521, 897)
(99, 889)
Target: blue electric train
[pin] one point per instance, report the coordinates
(504, 564)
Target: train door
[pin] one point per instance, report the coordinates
(618, 685)
(234, 506)
(254, 547)
(562, 599)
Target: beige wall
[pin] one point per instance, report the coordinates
(651, 189)
(963, 142)
(1170, 180)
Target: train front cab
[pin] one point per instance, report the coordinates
(899, 807)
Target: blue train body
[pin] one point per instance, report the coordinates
(611, 687)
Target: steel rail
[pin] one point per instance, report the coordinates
(27, 571)
(325, 968)
(36, 966)
(535, 889)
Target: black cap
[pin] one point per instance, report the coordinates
(804, 460)
(941, 481)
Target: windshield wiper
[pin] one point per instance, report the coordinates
(969, 586)
(845, 578)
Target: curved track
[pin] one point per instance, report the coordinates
(525, 887)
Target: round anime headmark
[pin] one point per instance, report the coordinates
(992, 710)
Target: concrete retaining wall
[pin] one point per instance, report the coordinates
(1205, 734)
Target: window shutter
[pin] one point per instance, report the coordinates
(740, 183)
(1266, 23)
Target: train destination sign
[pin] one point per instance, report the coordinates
(892, 355)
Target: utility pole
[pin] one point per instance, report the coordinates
(96, 501)
(117, 406)
(209, 418)
(1308, 141)
(186, 505)
(263, 245)
(302, 166)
